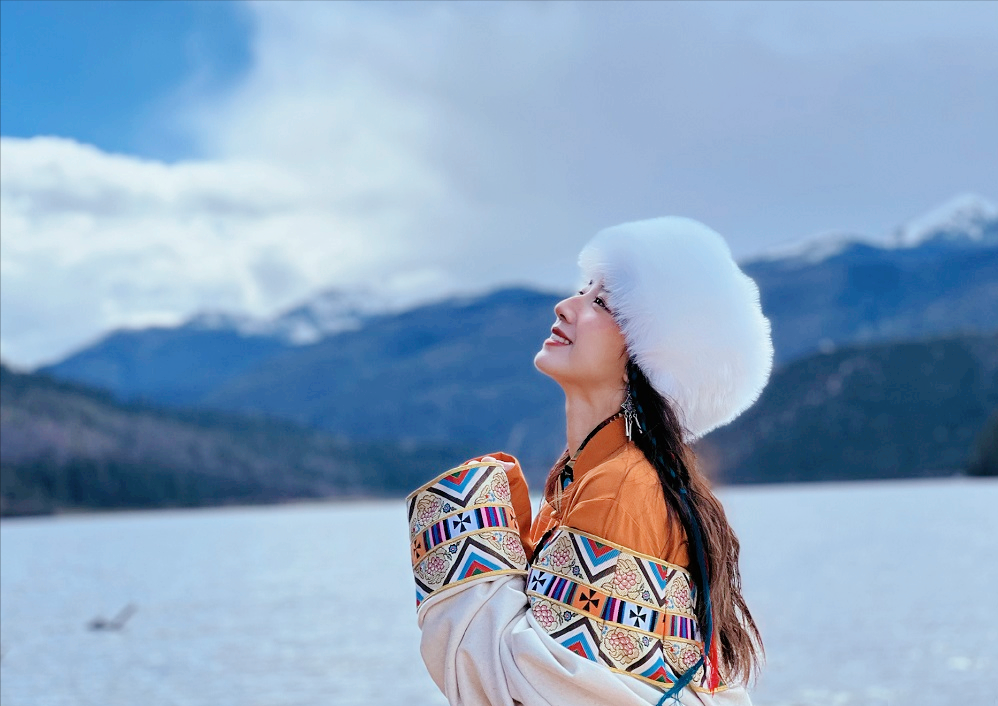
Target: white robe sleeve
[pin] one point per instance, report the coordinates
(480, 641)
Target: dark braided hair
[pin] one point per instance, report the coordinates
(720, 607)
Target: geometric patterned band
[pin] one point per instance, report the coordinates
(462, 528)
(460, 523)
(631, 612)
(608, 608)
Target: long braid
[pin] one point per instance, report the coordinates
(676, 481)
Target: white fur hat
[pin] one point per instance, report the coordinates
(690, 316)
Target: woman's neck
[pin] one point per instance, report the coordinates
(583, 412)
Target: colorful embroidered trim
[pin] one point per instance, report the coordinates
(462, 522)
(628, 611)
(610, 609)
(462, 527)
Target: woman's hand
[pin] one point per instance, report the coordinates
(506, 465)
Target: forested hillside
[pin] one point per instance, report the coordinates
(64, 446)
(916, 408)
(895, 410)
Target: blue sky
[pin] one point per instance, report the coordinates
(101, 72)
(161, 159)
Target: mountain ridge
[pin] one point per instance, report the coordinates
(886, 410)
(964, 219)
(461, 368)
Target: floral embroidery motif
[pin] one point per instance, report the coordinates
(620, 644)
(432, 570)
(680, 596)
(561, 553)
(428, 508)
(513, 546)
(688, 657)
(500, 488)
(544, 615)
(625, 579)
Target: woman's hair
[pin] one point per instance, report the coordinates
(661, 441)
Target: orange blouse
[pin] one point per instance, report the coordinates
(615, 495)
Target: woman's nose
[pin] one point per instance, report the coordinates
(561, 309)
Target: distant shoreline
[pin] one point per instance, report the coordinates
(942, 478)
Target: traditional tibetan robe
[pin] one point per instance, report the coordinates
(590, 604)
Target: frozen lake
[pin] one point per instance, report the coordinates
(872, 594)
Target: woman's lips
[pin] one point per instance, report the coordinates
(557, 338)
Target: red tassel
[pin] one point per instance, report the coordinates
(713, 673)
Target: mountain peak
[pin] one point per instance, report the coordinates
(328, 312)
(813, 249)
(966, 216)
(219, 321)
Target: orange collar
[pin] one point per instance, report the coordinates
(606, 442)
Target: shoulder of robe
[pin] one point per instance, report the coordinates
(628, 478)
(621, 501)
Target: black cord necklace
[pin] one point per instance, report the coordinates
(567, 474)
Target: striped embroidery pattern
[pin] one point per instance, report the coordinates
(603, 606)
(462, 528)
(460, 523)
(633, 613)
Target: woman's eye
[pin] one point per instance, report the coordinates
(599, 302)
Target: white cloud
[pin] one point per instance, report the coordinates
(440, 147)
(92, 241)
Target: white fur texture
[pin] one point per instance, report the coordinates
(690, 316)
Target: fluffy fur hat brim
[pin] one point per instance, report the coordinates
(691, 318)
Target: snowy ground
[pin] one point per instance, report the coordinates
(875, 594)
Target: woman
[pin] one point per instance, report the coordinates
(626, 588)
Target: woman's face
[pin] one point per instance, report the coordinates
(586, 348)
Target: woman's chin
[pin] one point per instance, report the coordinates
(543, 362)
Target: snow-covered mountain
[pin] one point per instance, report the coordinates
(329, 312)
(814, 249)
(834, 291)
(965, 219)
